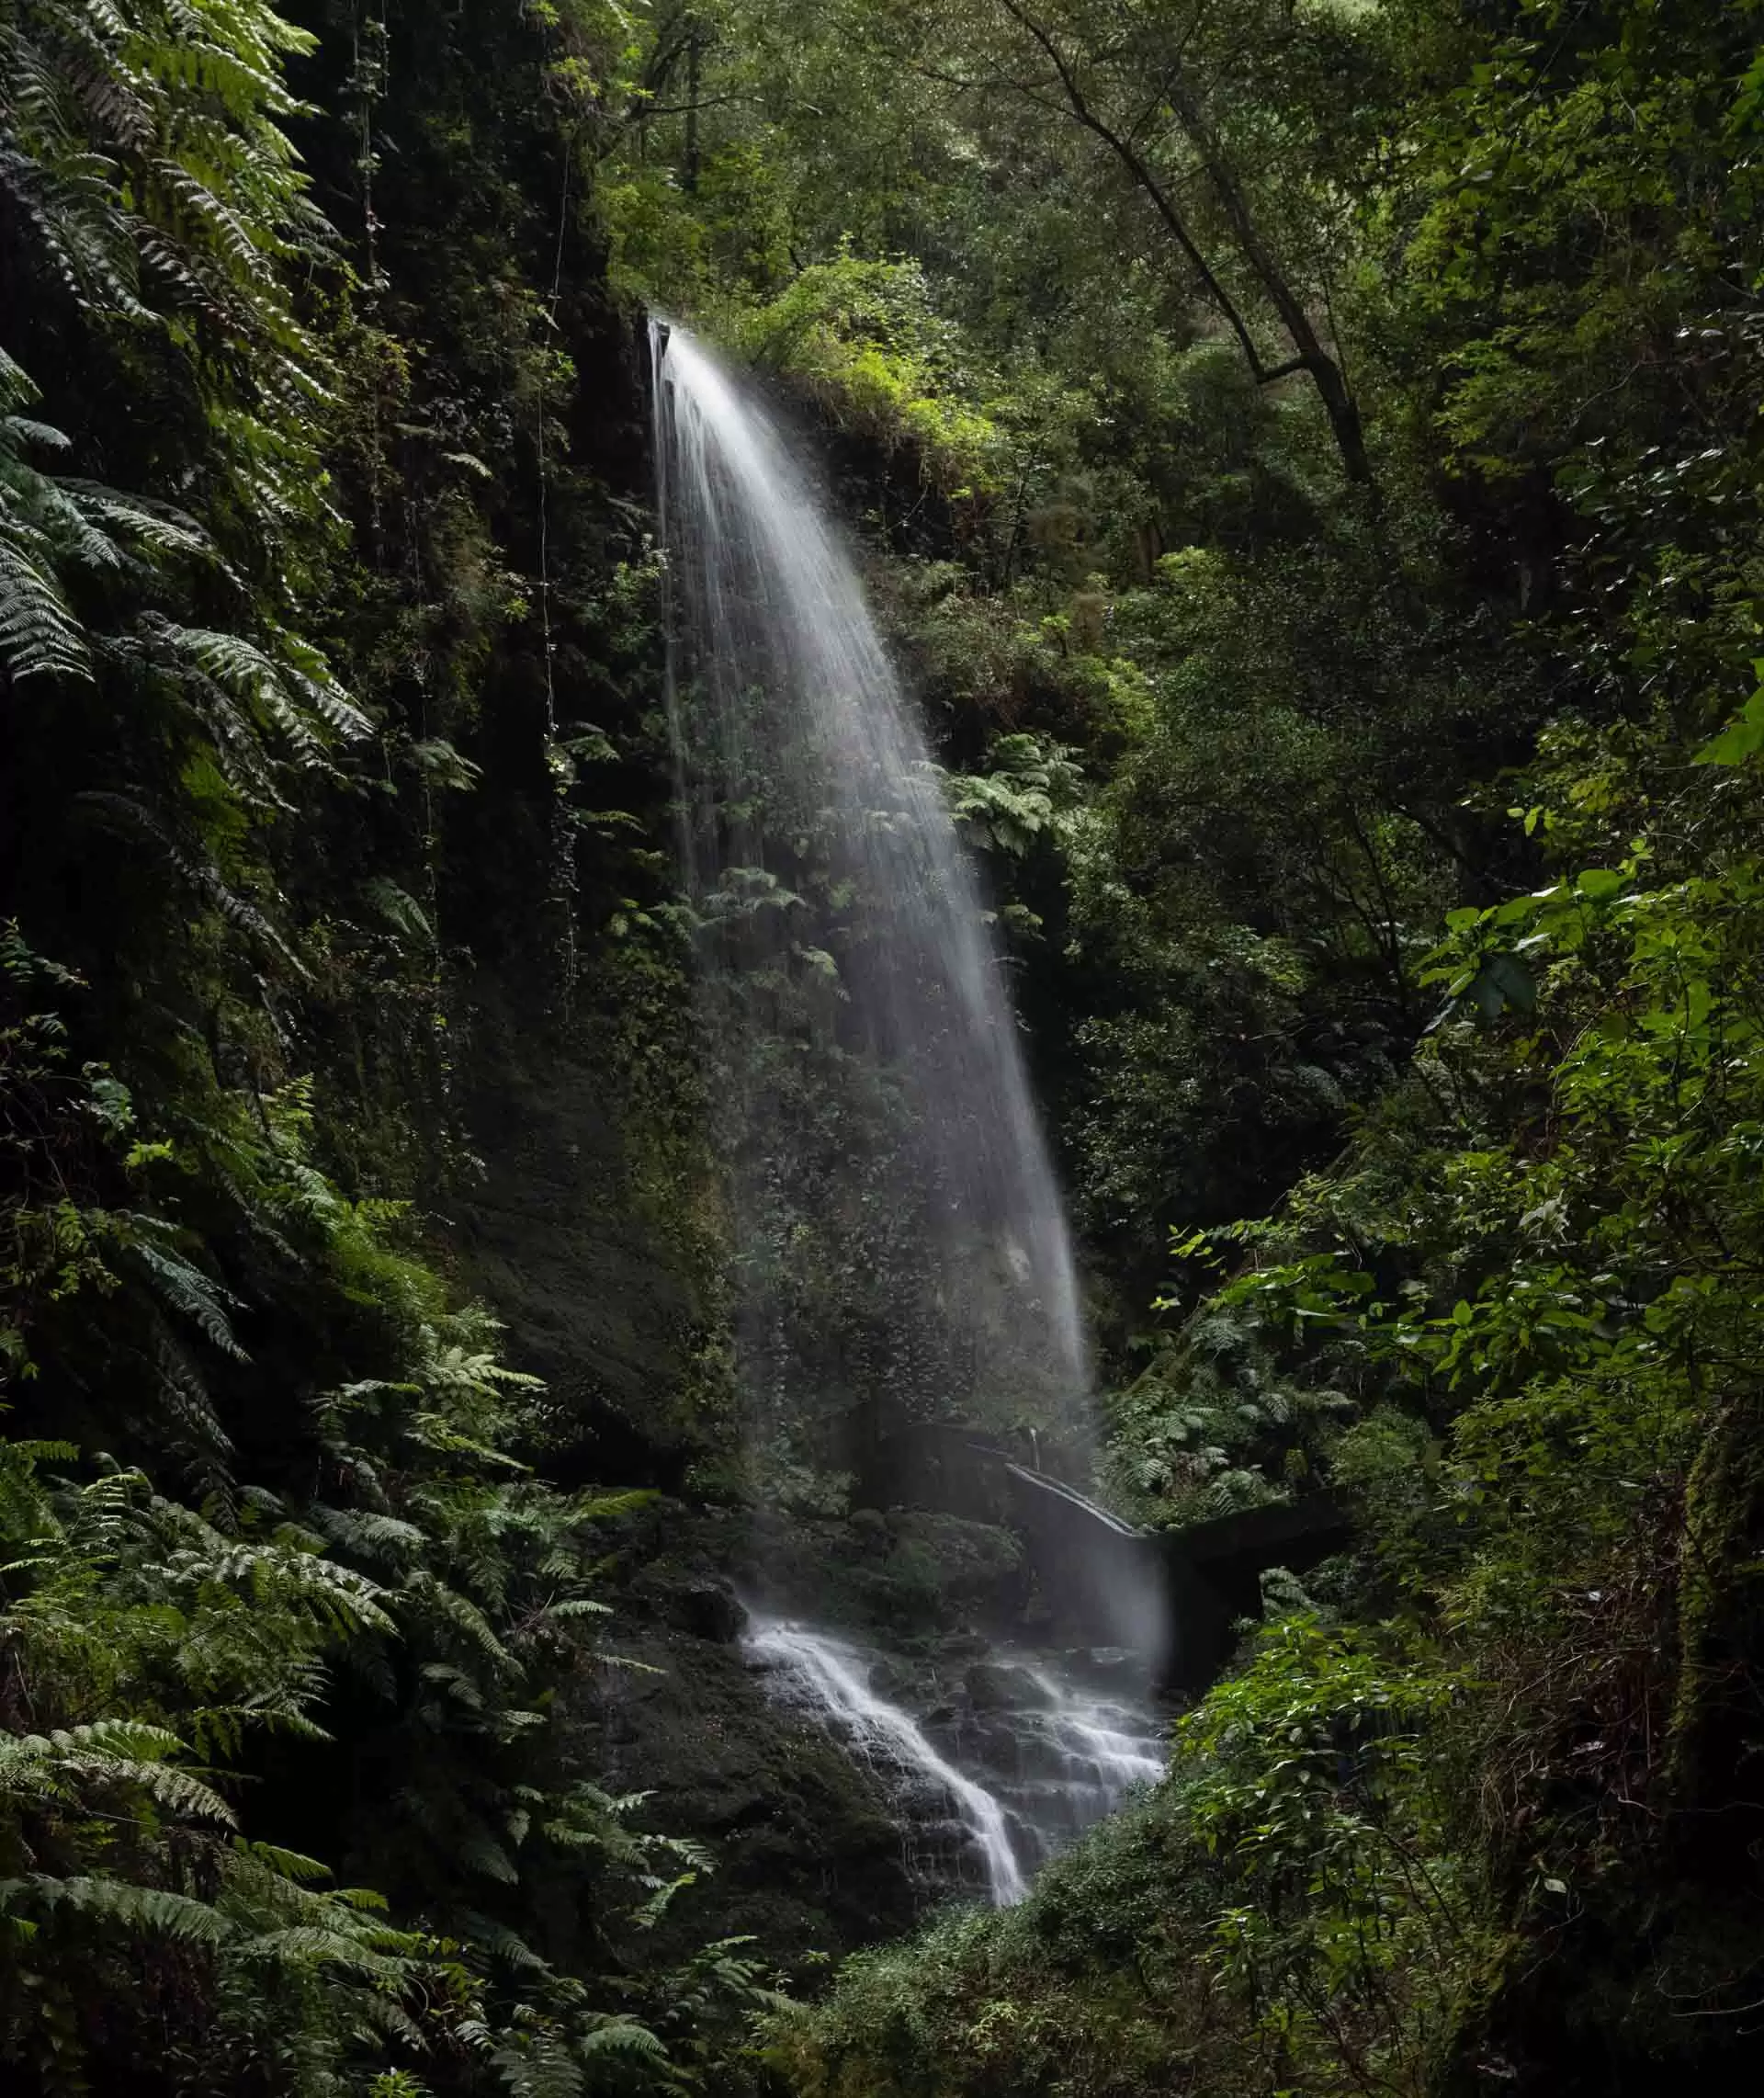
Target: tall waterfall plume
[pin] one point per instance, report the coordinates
(901, 1248)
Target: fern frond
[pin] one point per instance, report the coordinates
(158, 528)
(185, 1288)
(185, 1395)
(424, 1594)
(365, 1533)
(312, 1946)
(148, 1911)
(38, 634)
(622, 2036)
(499, 1942)
(538, 2066)
(136, 1739)
(400, 910)
(478, 1851)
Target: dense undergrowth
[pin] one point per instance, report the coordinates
(1309, 456)
(288, 1801)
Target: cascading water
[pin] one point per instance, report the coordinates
(900, 1251)
(834, 1676)
(1079, 1753)
(895, 1215)
(987, 1795)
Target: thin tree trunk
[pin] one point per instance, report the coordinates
(694, 60)
(1338, 400)
(1310, 356)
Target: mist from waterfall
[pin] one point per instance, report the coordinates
(901, 1244)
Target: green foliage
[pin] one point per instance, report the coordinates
(289, 1796)
(1283, 1912)
(138, 1625)
(1381, 874)
(1020, 799)
(863, 340)
(1312, 457)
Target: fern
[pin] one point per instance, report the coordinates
(401, 1574)
(185, 1396)
(184, 1287)
(479, 1852)
(38, 634)
(148, 1911)
(399, 910)
(622, 2036)
(287, 1864)
(430, 1599)
(500, 1943)
(538, 2066)
(367, 1534)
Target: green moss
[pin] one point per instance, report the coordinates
(864, 341)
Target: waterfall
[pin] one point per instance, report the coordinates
(1080, 1754)
(1053, 1762)
(901, 1247)
(901, 1263)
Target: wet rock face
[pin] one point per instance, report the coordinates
(826, 1842)
(808, 1851)
(996, 1686)
(701, 1606)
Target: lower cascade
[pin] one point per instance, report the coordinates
(989, 1782)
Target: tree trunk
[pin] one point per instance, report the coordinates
(695, 59)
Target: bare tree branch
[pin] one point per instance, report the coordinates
(1310, 355)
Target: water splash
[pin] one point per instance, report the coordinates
(900, 1244)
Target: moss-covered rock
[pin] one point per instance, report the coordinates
(808, 1858)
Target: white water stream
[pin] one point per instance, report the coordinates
(1056, 1763)
(1085, 1753)
(836, 1678)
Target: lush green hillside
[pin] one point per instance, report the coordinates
(1316, 448)
(328, 777)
